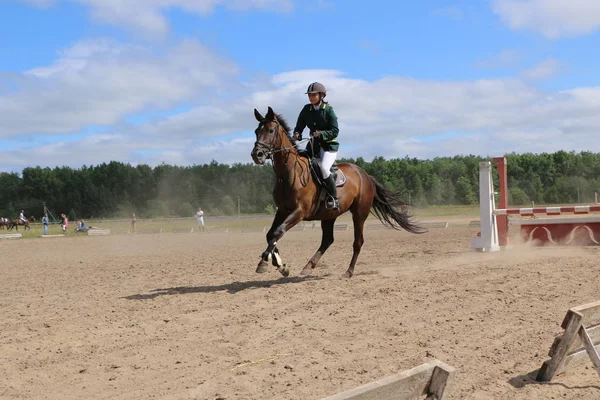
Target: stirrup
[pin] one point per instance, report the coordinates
(332, 202)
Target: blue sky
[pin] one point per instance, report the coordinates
(89, 81)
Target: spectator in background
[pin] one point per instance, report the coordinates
(45, 222)
(63, 222)
(133, 221)
(82, 226)
(200, 218)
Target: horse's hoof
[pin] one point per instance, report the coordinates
(306, 272)
(262, 267)
(285, 271)
(348, 274)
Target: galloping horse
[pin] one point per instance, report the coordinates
(297, 196)
(16, 222)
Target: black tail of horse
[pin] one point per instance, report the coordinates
(391, 211)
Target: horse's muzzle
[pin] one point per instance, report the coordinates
(258, 155)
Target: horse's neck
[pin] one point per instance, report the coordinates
(284, 161)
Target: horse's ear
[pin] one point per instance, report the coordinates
(257, 115)
(270, 115)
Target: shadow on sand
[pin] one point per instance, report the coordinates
(529, 379)
(231, 288)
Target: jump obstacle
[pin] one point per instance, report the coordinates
(494, 221)
(579, 343)
(430, 379)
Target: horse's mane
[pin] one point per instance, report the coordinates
(283, 123)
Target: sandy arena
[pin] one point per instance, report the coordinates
(184, 316)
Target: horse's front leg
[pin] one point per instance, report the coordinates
(280, 216)
(288, 223)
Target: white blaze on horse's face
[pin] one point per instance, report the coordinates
(265, 136)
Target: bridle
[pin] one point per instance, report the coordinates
(269, 151)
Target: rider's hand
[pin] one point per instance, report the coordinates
(315, 133)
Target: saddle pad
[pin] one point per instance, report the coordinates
(340, 178)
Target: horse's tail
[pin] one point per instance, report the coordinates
(391, 211)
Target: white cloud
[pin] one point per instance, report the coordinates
(100, 82)
(148, 15)
(551, 18)
(543, 70)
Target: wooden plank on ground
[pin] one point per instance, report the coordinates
(405, 385)
(98, 232)
(442, 375)
(340, 227)
(8, 236)
(590, 349)
(551, 367)
(574, 360)
(475, 224)
(593, 332)
(51, 236)
(590, 312)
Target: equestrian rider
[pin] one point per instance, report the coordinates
(318, 116)
(22, 217)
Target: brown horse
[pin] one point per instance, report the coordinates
(297, 196)
(16, 222)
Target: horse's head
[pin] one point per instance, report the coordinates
(268, 136)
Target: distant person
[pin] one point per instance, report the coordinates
(63, 222)
(22, 217)
(200, 218)
(83, 227)
(133, 221)
(45, 222)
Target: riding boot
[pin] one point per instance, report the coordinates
(332, 201)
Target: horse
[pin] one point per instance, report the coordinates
(16, 222)
(4, 224)
(297, 195)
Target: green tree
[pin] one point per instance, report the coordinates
(464, 191)
(186, 210)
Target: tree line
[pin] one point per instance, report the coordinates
(116, 189)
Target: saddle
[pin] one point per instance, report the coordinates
(315, 169)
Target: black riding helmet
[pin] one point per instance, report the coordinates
(316, 87)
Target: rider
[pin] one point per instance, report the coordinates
(322, 122)
(22, 217)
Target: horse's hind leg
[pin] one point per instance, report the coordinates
(326, 241)
(359, 217)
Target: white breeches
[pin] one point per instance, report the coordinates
(326, 160)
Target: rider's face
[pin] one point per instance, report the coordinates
(314, 98)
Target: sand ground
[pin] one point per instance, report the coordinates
(184, 316)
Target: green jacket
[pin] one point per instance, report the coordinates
(324, 120)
